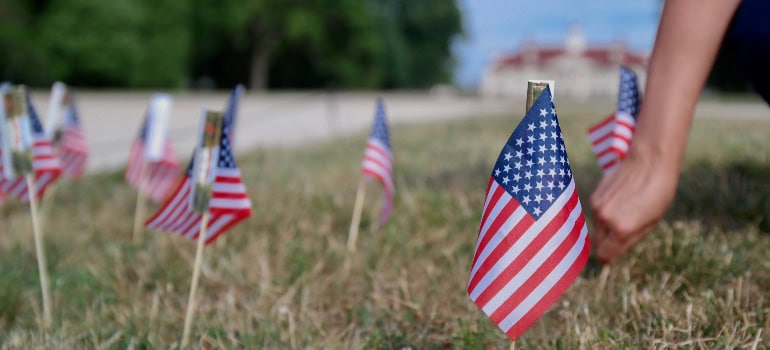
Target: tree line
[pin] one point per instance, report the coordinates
(218, 43)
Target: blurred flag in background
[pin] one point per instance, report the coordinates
(611, 137)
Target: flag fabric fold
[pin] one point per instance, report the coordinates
(229, 204)
(611, 137)
(378, 160)
(533, 240)
(162, 175)
(73, 149)
(46, 165)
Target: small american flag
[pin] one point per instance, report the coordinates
(229, 205)
(162, 175)
(611, 137)
(378, 159)
(73, 150)
(44, 162)
(533, 240)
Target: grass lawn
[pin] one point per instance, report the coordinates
(284, 279)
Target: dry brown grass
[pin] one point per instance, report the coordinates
(283, 279)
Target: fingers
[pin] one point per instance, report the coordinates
(601, 219)
(617, 225)
(610, 182)
(601, 235)
(609, 249)
(627, 204)
(612, 245)
(603, 198)
(603, 190)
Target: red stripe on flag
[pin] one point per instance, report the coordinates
(228, 179)
(227, 195)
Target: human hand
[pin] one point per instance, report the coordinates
(630, 201)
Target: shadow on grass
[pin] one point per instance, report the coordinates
(729, 196)
(474, 174)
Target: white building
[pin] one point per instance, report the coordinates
(580, 71)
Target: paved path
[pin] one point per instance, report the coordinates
(111, 120)
(738, 110)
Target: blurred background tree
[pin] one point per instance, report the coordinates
(207, 43)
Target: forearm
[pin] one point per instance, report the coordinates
(688, 39)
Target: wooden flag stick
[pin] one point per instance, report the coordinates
(196, 276)
(513, 345)
(141, 204)
(603, 280)
(42, 266)
(46, 204)
(357, 208)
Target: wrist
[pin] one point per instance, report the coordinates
(661, 134)
(654, 154)
(660, 165)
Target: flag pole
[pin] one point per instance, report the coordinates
(603, 279)
(40, 251)
(513, 345)
(357, 208)
(141, 204)
(47, 202)
(196, 276)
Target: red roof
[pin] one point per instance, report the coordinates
(605, 56)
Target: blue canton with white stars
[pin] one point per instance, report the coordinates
(533, 165)
(628, 95)
(37, 128)
(226, 158)
(380, 128)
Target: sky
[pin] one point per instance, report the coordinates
(498, 26)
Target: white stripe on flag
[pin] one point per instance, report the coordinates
(244, 203)
(225, 187)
